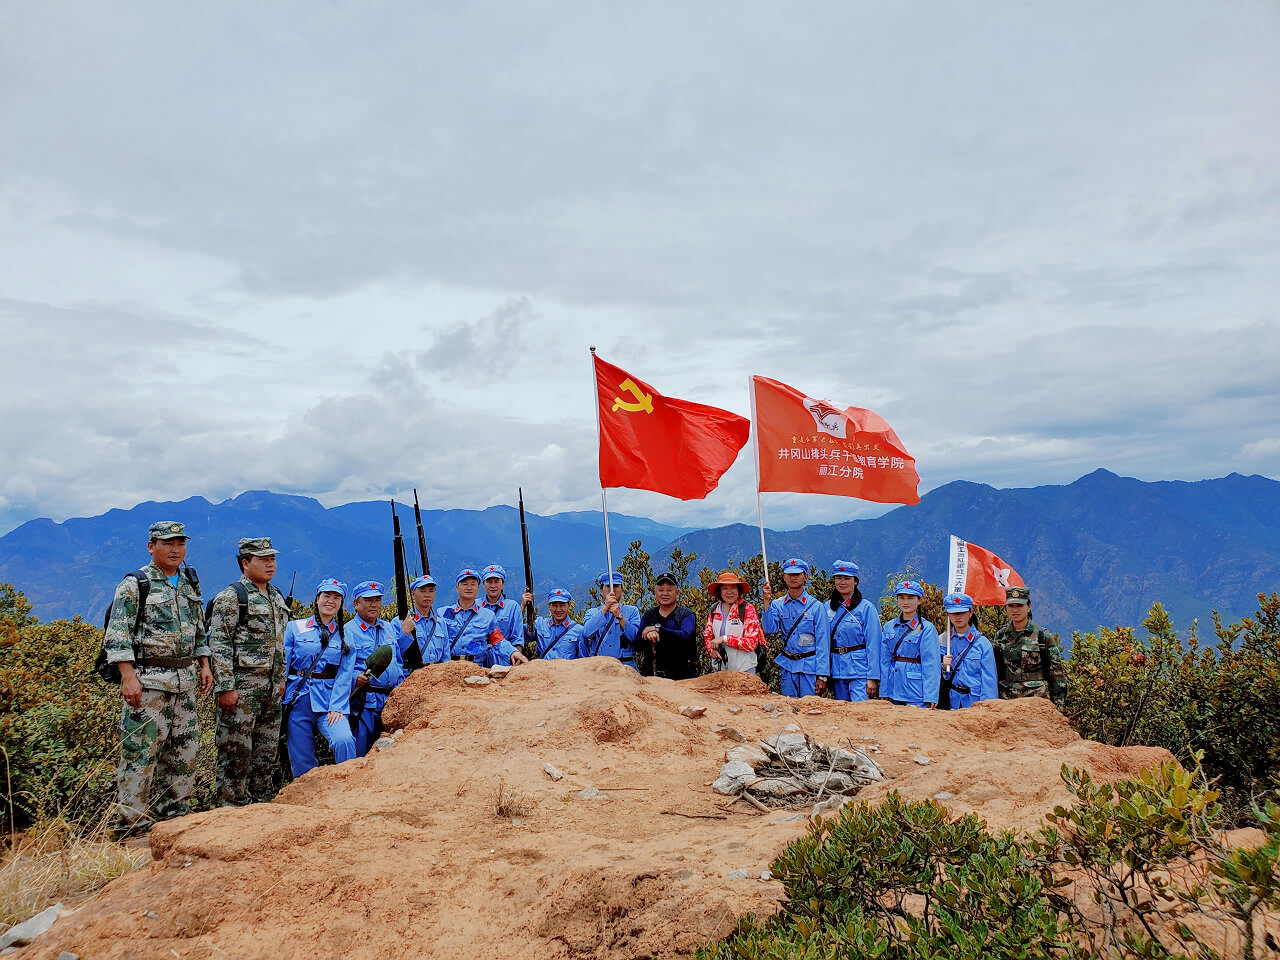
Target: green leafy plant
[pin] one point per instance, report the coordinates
(1136, 869)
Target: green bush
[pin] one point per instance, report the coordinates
(60, 724)
(58, 721)
(1220, 702)
(900, 880)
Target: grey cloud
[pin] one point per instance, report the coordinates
(489, 346)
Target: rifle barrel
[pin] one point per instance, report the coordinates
(422, 537)
(528, 565)
(397, 548)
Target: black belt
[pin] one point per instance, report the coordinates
(906, 659)
(376, 689)
(330, 672)
(463, 656)
(860, 646)
(959, 689)
(799, 656)
(165, 663)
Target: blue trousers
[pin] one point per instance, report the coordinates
(798, 684)
(851, 690)
(303, 724)
(367, 730)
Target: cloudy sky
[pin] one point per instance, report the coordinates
(346, 249)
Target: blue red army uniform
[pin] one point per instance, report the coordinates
(610, 633)
(855, 635)
(801, 620)
(555, 637)
(911, 667)
(367, 632)
(508, 617)
(427, 640)
(470, 631)
(971, 675)
(321, 669)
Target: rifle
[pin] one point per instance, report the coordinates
(422, 537)
(528, 566)
(288, 601)
(402, 584)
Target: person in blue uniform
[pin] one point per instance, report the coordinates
(555, 637)
(508, 616)
(321, 668)
(470, 631)
(855, 636)
(804, 661)
(611, 629)
(911, 663)
(969, 671)
(366, 633)
(420, 636)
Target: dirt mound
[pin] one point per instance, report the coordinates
(727, 682)
(454, 842)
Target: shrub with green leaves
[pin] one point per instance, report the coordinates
(1219, 702)
(60, 723)
(903, 881)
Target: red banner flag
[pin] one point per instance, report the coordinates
(652, 442)
(980, 573)
(811, 446)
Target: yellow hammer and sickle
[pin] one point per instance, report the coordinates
(643, 402)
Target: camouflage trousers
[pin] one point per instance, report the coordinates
(158, 743)
(248, 742)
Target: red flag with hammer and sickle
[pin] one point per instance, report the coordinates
(807, 445)
(652, 442)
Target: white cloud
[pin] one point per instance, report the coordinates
(1267, 447)
(345, 253)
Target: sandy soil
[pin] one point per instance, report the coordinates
(455, 843)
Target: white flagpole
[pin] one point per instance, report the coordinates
(608, 552)
(952, 560)
(604, 499)
(755, 429)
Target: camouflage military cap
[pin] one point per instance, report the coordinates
(257, 547)
(167, 530)
(1017, 595)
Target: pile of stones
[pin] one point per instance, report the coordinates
(793, 769)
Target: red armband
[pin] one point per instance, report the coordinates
(496, 637)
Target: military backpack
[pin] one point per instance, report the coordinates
(109, 672)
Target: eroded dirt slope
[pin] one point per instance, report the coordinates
(403, 854)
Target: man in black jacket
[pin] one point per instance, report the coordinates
(671, 631)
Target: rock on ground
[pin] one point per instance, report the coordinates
(402, 854)
(26, 931)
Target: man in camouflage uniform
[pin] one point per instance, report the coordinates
(161, 669)
(1028, 662)
(248, 670)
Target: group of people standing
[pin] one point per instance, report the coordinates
(841, 643)
(324, 674)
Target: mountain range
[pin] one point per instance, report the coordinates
(1098, 551)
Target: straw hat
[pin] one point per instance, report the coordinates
(727, 579)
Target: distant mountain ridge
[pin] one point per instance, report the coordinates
(1100, 550)
(71, 568)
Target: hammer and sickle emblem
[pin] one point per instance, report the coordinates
(643, 402)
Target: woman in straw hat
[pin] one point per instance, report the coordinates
(733, 628)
